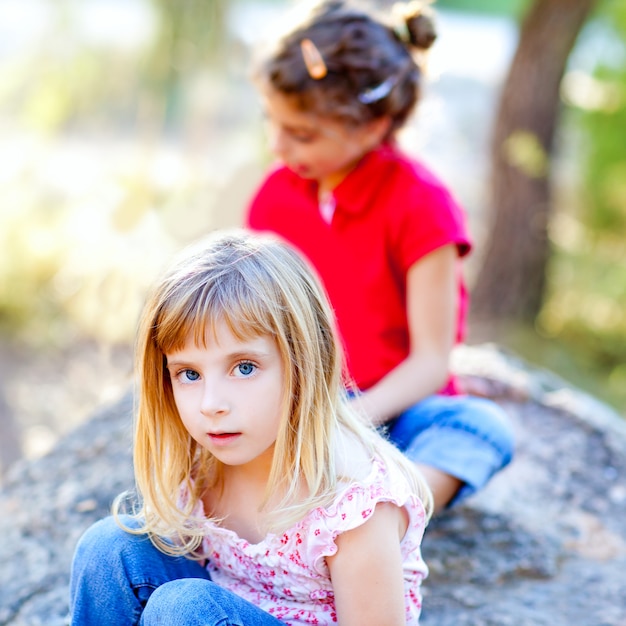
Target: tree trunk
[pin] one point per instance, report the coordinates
(511, 283)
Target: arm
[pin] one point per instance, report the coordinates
(366, 571)
(432, 301)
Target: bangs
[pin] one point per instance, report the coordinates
(229, 297)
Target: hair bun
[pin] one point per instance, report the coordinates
(421, 27)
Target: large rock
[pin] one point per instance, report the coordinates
(543, 544)
(45, 506)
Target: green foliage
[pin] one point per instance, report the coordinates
(605, 160)
(60, 93)
(513, 8)
(64, 82)
(191, 36)
(30, 256)
(584, 310)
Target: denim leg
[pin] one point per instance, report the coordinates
(114, 573)
(463, 436)
(195, 602)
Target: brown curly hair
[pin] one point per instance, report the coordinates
(373, 65)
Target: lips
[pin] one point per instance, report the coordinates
(223, 438)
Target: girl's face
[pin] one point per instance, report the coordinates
(229, 396)
(314, 147)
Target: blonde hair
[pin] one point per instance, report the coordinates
(258, 286)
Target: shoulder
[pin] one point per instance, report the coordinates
(277, 175)
(421, 211)
(279, 191)
(353, 460)
(414, 178)
(405, 189)
(383, 482)
(278, 180)
(356, 503)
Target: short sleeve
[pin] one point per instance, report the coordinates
(427, 217)
(355, 505)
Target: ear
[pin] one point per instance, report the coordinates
(377, 130)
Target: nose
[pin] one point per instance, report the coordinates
(214, 401)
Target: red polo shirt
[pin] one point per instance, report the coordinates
(390, 212)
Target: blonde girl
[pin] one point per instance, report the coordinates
(265, 498)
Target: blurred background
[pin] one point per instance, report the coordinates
(129, 128)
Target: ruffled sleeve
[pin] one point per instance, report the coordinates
(355, 505)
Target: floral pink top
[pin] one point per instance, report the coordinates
(287, 576)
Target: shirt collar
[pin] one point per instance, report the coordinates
(354, 193)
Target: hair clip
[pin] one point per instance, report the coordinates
(313, 60)
(373, 94)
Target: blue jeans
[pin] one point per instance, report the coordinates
(464, 436)
(119, 579)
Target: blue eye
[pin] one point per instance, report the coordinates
(246, 368)
(190, 375)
